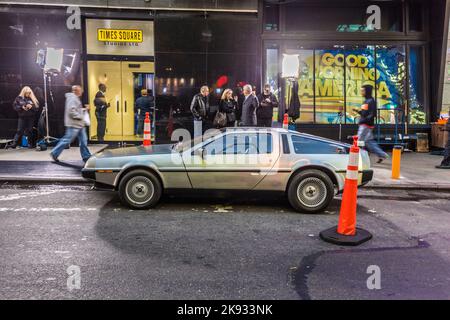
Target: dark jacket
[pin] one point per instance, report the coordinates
(200, 107)
(20, 102)
(368, 112)
(265, 110)
(249, 107)
(144, 104)
(100, 104)
(229, 107)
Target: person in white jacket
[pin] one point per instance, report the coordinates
(75, 122)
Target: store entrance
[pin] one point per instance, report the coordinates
(125, 82)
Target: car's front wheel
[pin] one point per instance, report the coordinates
(140, 189)
(310, 191)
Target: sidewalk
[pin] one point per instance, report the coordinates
(417, 169)
(417, 172)
(29, 165)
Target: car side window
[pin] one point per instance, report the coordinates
(240, 143)
(304, 145)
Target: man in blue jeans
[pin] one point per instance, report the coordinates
(74, 121)
(366, 123)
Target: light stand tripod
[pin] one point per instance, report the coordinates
(340, 116)
(48, 139)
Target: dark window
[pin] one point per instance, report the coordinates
(304, 145)
(342, 16)
(240, 143)
(417, 111)
(416, 10)
(286, 149)
(271, 17)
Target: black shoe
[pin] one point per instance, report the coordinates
(55, 159)
(380, 160)
(12, 146)
(443, 166)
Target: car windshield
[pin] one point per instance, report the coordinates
(185, 145)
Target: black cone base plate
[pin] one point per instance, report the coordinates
(331, 236)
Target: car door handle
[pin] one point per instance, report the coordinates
(117, 106)
(125, 107)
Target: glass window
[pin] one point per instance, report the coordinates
(359, 71)
(304, 145)
(306, 85)
(390, 84)
(417, 114)
(416, 10)
(271, 17)
(272, 68)
(329, 84)
(272, 72)
(255, 143)
(343, 16)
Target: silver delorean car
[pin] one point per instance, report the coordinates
(310, 170)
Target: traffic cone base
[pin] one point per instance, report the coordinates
(332, 236)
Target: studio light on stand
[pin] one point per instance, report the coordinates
(50, 60)
(290, 72)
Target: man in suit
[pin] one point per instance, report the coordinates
(249, 106)
(100, 111)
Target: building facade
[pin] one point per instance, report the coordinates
(172, 48)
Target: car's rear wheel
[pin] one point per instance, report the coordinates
(140, 189)
(310, 191)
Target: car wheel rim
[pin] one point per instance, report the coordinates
(312, 192)
(140, 190)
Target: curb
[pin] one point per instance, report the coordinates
(437, 187)
(31, 179)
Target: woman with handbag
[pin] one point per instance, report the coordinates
(228, 106)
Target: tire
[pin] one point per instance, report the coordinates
(310, 191)
(140, 189)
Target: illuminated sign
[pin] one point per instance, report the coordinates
(120, 35)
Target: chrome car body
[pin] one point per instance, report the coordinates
(260, 159)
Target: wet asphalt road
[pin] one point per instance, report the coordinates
(217, 247)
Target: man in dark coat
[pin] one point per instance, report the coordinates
(249, 107)
(200, 110)
(267, 101)
(100, 111)
(145, 103)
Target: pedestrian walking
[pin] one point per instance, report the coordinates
(26, 106)
(366, 123)
(228, 105)
(101, 107)
(445, 164)
(267, 101)
(200, 110)
(145, 103)
(75, 122)
(249, 107)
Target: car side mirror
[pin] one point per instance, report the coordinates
(200, 152)
(341, 150)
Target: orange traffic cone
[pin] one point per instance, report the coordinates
(346, 232)
(147, 133)
(286, 121)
